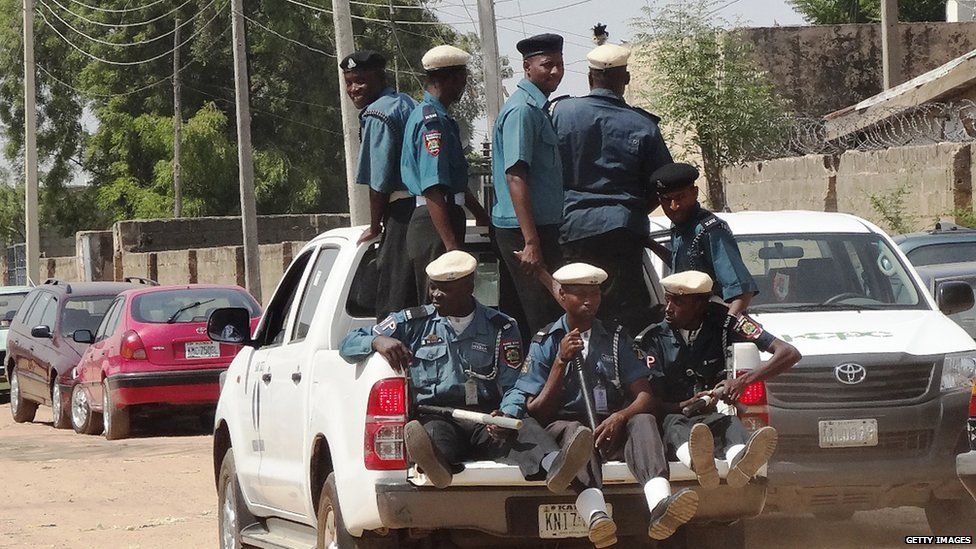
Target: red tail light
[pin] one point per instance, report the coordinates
(386, 414)
(754, 394)
(972, 403)
(753, 406)
(132, 347)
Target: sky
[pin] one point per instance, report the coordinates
(573, 19)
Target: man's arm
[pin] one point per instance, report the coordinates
(546, 405)
(785, 356)
(517, 178)
(440, 216)
(740, 303)
(477, 210)
(642, 402)
(732, 278)
(378, 203)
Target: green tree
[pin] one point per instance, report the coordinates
(707, 87)
(832, 12)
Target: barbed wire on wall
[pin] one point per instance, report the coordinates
(930, 123)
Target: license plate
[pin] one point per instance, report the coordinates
(848, 433)
(560, 520)
(203, 349)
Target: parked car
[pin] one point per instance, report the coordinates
(936, 275)
(10, 299)
(40, 349)
(152, 350)
(945, 243)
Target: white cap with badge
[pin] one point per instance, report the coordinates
(580, 273)
(452, 265)
(687, 283)
(608, 56)
(442, 57)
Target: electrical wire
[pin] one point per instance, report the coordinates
(125, 10)
(550, 10)
(374, 19)
(122, 25)
(287, 39)
(234, 103)
(125, 44)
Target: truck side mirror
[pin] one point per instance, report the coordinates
(83, 336)
(230, 325)
(954, 296)
(43, 332)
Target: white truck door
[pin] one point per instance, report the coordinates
(283, 474)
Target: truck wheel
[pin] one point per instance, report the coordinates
(332, 532)
(22, 409)
(115, 420)
(60, 412)
(951, 517)
(234, 515)
(83, 420)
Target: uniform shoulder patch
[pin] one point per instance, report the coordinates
(418, 312)
(512, 353)
(541, 334)
(432, 142)
(386, 326)
(710, 221)
(748, 328)
(552, 103)
(431, 118)
(501, 321)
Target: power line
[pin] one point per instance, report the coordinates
(374, 19)
(229, 102)
(126, 10)
(122, 25)
(125, 44)
(292, 40)
(550, 10)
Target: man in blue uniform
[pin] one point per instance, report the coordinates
(609, 151)
(382, 117)
(527, 179)
(576, 347)
(686, 353)
(434, 168)
(699, 239)
(461, 354)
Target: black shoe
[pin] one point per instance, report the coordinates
(421, 449)
(757, 452)
(672, 512)
(603, 530)
(573, 456)
(701, 446)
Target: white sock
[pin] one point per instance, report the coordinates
(684, 455)
(590, 501)
(548, 459)
(734, 451)
(655, 490)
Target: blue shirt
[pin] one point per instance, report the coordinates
(612, 373)
(488, 351)
(432, 151)
(381, 126)
(609, 151)
(705, 243)
(524, 132)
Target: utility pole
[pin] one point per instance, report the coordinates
(489, 52)
(177, 126)
(891, 55)
(358, 199)
(245, 154)
(396, 57)
(30, 149)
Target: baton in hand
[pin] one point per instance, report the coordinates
(700, 404)
(475, 417)
(587, 391)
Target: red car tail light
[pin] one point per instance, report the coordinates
(972, 403)
(132, 347)
(753, 409)
(754, 394)
(386, 414)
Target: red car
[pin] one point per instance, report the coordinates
(152, 349)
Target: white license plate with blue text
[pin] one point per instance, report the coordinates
(202, 349)
(848, 433)
(560, 520)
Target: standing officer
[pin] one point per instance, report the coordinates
(433, 165)
(527, 178)
(462, 354)
(609, 151)
(619, 395)
(686, 353)
(699, 239)
(382, 117)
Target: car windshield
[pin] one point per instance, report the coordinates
(84, 313)
(9, 303)
(193, 305)
(830, 271)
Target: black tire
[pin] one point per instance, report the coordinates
(115, 421)
(332, 530)
(60, 412)
(951, 517)
(232, 513)
(83, 420)
(21, 409)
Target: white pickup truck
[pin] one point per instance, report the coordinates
(308, 449)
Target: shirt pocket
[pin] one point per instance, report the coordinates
(429, 358)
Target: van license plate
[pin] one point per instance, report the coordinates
(203, 349)
(848, 433)
(560, 520)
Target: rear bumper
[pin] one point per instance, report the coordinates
(510, 512)
(966, 470)
(167, 387)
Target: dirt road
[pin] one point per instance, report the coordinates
(66, 490)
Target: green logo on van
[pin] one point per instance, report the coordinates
(835, 335)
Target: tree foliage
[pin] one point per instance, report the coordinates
(110, 126)
(832, 12)
(707, 87)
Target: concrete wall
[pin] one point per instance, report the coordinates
(62, 268)
(939, 178)
(94, 252)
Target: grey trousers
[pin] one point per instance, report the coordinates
(642, 450)
(424, 243)
(726, 430)
(460, 441)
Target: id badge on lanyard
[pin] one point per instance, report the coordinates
(471, 392)
(600, 399)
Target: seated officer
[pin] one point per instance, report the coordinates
(621, 398)
(462, 354)
(686, 353)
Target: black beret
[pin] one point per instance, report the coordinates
(363, 60)
(671, 177)
(540, 44)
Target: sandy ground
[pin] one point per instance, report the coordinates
(156, 490)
